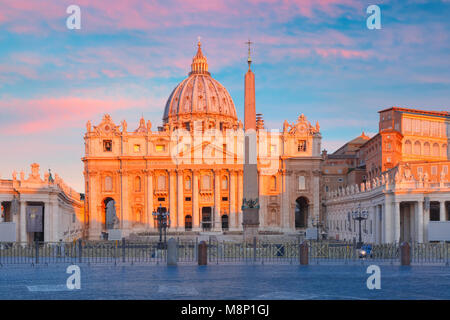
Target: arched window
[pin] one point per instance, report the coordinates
(417, 148)
(444, 151)
(108, 183)
(426, 149)
(161, 182)
(408, 147)
(273, 183)
(206, 182)
(137, 184)
(224, 183)
(187, 183)
(435, 150)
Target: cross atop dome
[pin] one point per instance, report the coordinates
(199, 63)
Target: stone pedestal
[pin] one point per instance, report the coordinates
(250, 223)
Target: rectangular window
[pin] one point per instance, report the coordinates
(301, 146)
(107, 145)
(187, 199)
(137, 148)
(434, 170)
(224, 198)
(160, 148)
(161, 199)
(301, 183)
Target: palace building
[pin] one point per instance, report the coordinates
(192, 166)
(406, 185)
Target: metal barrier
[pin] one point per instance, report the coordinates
(261, 252)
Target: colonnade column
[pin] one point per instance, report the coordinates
(232, 197)
(22, 222)
(396, 222)
(442, 210)
(47, 222)
(375, 224)
(217, 224)
(426, 219)
(172, 207)
(55, 220)
(388, 221)
(180, 211)
(419, 221)
(195, 194)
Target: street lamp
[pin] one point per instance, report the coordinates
(360, 215)
(162, 220)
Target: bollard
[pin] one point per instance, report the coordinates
(172, 252)
(202, 254)
(405, 254)
(304, 253)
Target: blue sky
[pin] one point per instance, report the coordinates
(315, 57)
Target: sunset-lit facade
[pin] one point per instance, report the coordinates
(193, 166)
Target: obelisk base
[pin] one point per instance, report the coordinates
(250, 223)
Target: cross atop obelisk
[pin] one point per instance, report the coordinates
(249, 60)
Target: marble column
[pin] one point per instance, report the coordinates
(419, 221)
(285, 200)
(442, 210)
(426, 219)
(22, 222)
(180, 202)
(388, 221)
(47, 222)
(150, 221)
(172, 200)
(396, 230)
(240, 198)
(195, 195)
(217, 221)
(56, 220)
(125, 207)
(232, 198)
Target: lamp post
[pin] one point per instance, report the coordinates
(162, 220)
(360, 215)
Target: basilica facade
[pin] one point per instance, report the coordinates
(192, 167)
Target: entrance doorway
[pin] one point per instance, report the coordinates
(225, 222)
(206, 218)
(188, 223)
(301, 212)
(406, 222)
(111, 220)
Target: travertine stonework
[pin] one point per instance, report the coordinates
(193, 166)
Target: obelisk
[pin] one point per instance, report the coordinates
(250, 203)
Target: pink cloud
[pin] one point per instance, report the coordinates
(347, 54)
(26, 16)
(50, 114)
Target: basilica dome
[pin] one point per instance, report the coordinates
(199, 97)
